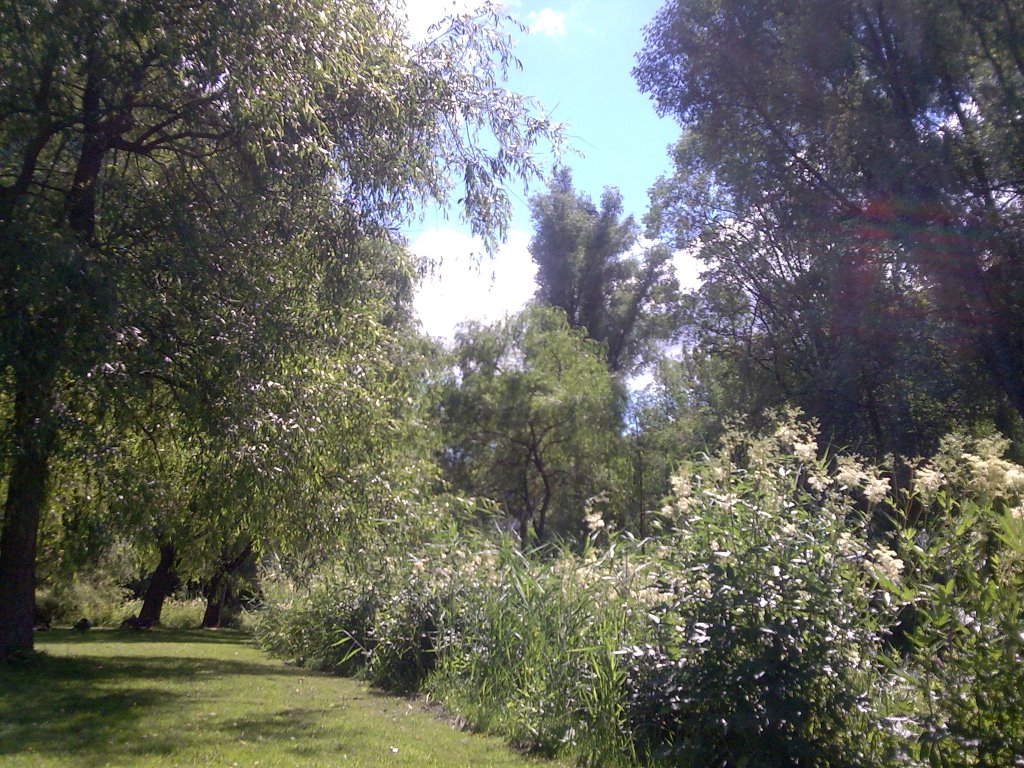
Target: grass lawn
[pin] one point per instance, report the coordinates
(161, 698)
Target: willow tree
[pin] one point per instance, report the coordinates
(239, 153)
(531, 420)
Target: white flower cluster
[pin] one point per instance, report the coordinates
(801, 438)
(876, 489)
(593, 517)
(682, 494)
(978, 466)
(806, 451)
(885, 563)
(818, 481)
(851, 473)
(927, 481)
(993, 477)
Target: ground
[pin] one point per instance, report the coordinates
(155, 698)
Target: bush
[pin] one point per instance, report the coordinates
(966, 661)
(105, 604)
(405, 638)
(762, 625)
(765, 641)
(329, 627)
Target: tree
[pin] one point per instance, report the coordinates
(787, 314)
(588, 266)
(890, 131)
(530, 418)
(244, 158)
(286, 463)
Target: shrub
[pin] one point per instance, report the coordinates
(763, 650)
(104, 603)
(966, 661)
(328, 627)
(764, 624)
(405, 637)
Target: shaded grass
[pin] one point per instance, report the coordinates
(209, 698)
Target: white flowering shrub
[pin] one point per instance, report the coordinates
(765, 623)
(966, 634)
(763, 652)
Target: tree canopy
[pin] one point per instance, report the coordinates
(530, 419)
(190, 193)
(592, 265)
(851, 167)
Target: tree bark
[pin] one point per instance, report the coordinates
(218, 591)
(160, 585)
(26, 496)
(39, 355)
(540, 518)
(216, 596)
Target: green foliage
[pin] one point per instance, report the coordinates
(107, 605)
(104, 604)
(765, 629)
(587, 266)
(530, 420)
(326, 627)
(539, 637)
(968, 643)
(841, 173)
(405, 635)
(671, 418)
(197, 217)
(763, 622)
(965, 614)
(178, 612)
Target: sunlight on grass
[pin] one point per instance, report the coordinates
(200, 698)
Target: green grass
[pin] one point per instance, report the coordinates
(171, 698)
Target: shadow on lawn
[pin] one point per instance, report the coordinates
(81, 706)
(301, 730)
(87, 705)
(109, 636)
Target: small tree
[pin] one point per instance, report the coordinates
(531, 417)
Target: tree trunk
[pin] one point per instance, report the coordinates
(26, 496)
(216, 596)
(160, 585)
(218, 591)
(540, 518)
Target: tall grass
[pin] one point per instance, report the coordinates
(761, 625)
(541, 637)
(106, 604)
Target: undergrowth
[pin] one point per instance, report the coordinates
(766, 622)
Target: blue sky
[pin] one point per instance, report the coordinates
(577, 62)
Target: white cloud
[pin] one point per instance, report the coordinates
(468, 286)
(547, 22)
(688, 268)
